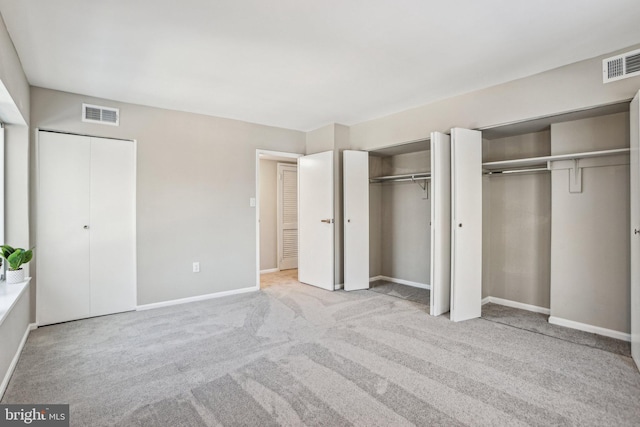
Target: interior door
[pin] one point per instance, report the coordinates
(316, 220)
(112, 227)
(440, 223)
(635, 227)
(63, 291)
(287, 216)
(466, 230)
(355, 177)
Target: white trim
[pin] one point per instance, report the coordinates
(590, 328)
(269, 270)
(196, 298)
(16, 357)
(401, 282)
(515, 304)
(257, 207)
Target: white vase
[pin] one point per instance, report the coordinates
(15, 276)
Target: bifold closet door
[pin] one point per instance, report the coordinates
(440, 223)
(355, 179)
(315, 220)
(86, 227)
(112, 215)
(634, 113)
(62, 253)
(466, 227)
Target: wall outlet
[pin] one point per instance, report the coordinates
(196, 267)
(252, 202)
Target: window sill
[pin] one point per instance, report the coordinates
(9, 295)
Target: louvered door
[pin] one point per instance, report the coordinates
(287, 216)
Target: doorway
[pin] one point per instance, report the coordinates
(276, 217)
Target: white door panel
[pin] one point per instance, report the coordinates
(287, 216)
(635, 227)
(63, 291)
(440, 223)
(466, 234)
(112, 248)
(315, 220)
(356, 219)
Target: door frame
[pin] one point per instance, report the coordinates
(266, 155)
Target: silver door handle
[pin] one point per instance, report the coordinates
(328, 221)
(86, 227)
(636, 231)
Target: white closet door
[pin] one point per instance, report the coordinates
(315, 220)
(440, 223)
(112, 228)
(287, 216)
(466, 234)
(635, 227)
(356, 217)
(63, 291)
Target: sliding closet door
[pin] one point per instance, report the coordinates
(315, 220)
(113, 249)
(356, 219)
(440, 223)
(62, 251)
(635, 227)
(466, 230)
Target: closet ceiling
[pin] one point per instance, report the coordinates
(302, 64)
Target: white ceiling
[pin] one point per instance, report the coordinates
(301, 64)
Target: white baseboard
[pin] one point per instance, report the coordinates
(401, 282)
(194, 299)
(590, 328)
(16, 357)
(515, 304)
(269, 270)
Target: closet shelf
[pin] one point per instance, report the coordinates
(407, 177)
(541, 161)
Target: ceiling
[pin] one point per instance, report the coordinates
(301, 64)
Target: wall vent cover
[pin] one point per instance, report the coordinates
(98, 114)
(621, 66)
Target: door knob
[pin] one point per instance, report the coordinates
(328, 221)
(86, 227)
(460, 225)
(348, 220)
(636, 231)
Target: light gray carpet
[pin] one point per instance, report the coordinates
(298, 355)
(411, 293)
(537, 322)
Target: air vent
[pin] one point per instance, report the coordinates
(621, 66)
(98, 114)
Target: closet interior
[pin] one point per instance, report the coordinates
(399, 218)
(555, 220)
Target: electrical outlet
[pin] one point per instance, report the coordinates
(196, 267)
(252, 202)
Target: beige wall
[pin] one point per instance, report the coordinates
(564, 89)
(590, 241)
(517, 224)
(12, 76)
(268, 214)
(195, 175)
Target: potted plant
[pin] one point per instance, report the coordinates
(15, 258)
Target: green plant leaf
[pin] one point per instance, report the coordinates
(15, 259)
(6, 251)
(28, 256)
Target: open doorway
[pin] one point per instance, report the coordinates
(276, 217)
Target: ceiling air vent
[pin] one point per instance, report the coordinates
(98, 114)
(621, 66)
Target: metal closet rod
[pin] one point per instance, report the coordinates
(515, 171)
(406, 177)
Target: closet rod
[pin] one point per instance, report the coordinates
(510, 171)
(406, 177)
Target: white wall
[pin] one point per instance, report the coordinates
(517, 224)
(196, 175)
(590, 241)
